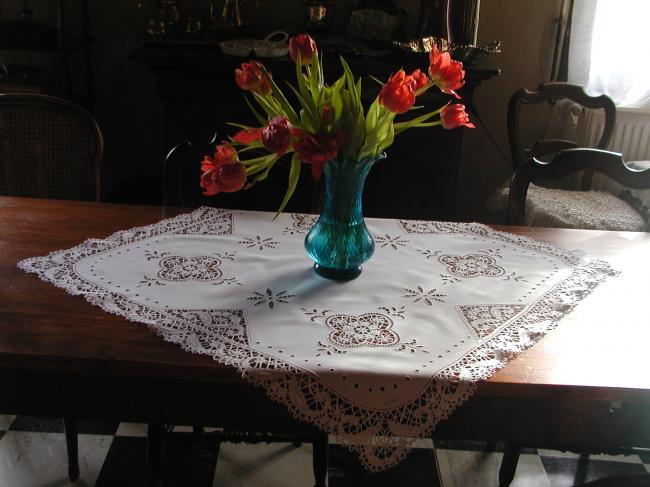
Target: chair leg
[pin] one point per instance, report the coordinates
(509, 464)
(155, 435)
(320, 459)
(72, 445)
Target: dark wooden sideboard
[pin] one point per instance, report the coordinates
(418, 179)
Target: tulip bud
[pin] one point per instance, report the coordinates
(253, 77)
(304, 45)
(453, 116)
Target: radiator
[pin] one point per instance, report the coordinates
(631, 134)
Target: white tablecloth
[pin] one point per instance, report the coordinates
(378, 360)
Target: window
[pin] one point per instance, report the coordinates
(608, 51)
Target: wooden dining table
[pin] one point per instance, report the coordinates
(586, 384)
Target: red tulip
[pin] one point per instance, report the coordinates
(316, 149)
(398, 94)
(304, 45)
(453, 116)
(247, 136)
(446, 73)
(253, 77)
(420, 79)
(276, 137)
(222, 172)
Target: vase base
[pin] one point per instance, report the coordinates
(337, 274)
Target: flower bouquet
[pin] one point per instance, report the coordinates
(329, 131)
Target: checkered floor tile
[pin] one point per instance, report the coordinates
(33, 454)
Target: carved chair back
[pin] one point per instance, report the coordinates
(552, 93)
(49, 148)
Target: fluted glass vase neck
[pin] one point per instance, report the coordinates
(345, 181)
(339, 242)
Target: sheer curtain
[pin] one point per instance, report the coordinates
(608, 50)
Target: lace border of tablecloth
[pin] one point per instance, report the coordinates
(381, 438)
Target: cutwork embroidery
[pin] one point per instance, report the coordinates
(411, 346)
(366, 330)
(270, 298)
(422, 226)
(428, 297)
(485, 319)
(471, 265)
(388, 241)
(301, 223)
(329, 349)
(152, 255)
(259, 242)
(176, 268)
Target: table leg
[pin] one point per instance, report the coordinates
(72, 445)
(320, 459)
(509, 464)
(155, 436)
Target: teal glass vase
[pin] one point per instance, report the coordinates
(339, 242)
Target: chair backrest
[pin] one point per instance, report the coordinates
(553, 93)
(49, 148)
(564, 163)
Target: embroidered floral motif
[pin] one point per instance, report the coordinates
(514, 277)
(328, 349)
(485, 319)
(411, 346)
(314, 314)
(228, 281)
(428, 297)
(447, 279)
(301, 223)
(153, 255)
(259, 242)
(393, 311)
(149, 282)
(177, 268)
(226, 255)
(430, 254)
(270, 298)
(388, 241)
(471, 265)
(366, 330)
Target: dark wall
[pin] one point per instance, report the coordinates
(131, 116)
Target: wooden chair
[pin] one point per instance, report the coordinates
(555, 207)
(181, 170)
(564, 163)
(49, 148)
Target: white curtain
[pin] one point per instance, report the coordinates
(608, 52)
